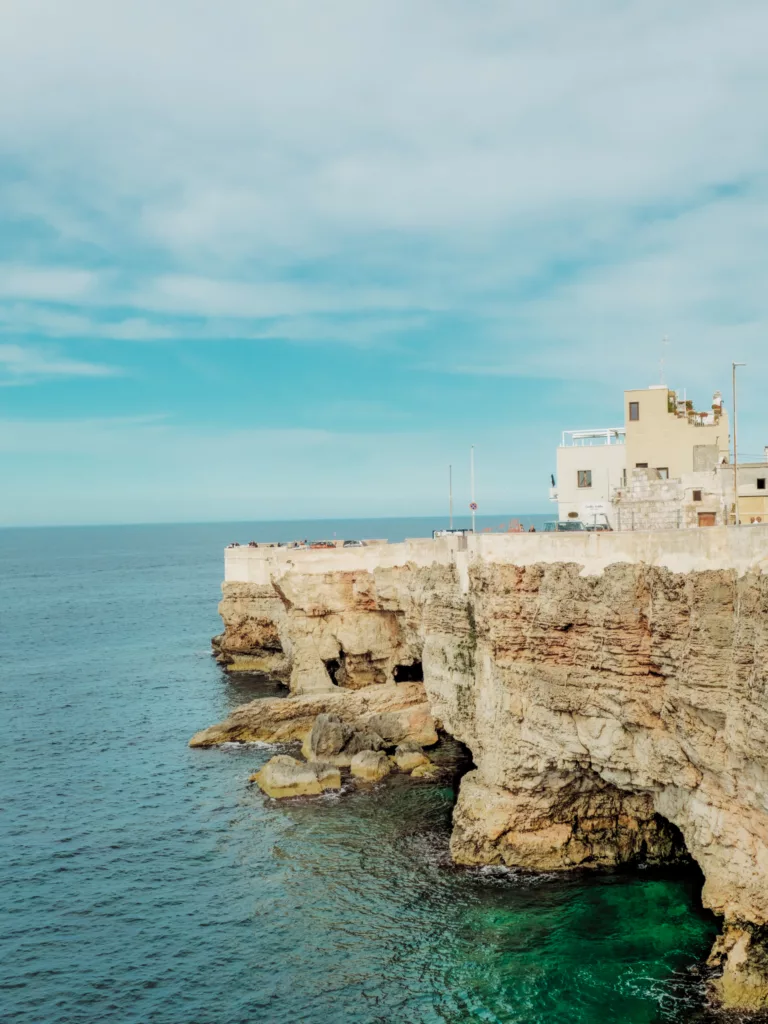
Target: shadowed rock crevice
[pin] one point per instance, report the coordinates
(332, 666)
(413, 673)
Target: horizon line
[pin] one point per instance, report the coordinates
(254, 522)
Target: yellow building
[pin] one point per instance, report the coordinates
(753, 491)
(665, 433)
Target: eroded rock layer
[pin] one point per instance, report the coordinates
(608, 715)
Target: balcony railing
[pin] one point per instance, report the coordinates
(593, 438)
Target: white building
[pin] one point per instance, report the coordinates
(591, 464)
(666, 468)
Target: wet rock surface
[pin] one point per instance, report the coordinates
(283, 776)
(370, 765)
(281, 720)
(336, 741)
(410, 755)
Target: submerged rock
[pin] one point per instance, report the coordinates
(410, 755)
(284, 776)
(371, 765)
(430, 770)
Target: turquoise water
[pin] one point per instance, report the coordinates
(142, 881)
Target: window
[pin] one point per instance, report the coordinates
(641, 465)
(663, 472)
(697, 495)
(761, 483)
(584, 477)
(634, 410)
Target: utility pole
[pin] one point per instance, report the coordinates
(450, 496)
(473, 503)
(735, 449)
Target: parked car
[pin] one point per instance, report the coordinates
(599, 527)
(322, 544)
(564, 526)
(354, 543)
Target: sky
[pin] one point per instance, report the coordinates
(290, 259)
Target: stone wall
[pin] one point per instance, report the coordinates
(650, 502)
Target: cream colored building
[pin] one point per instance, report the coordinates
(666, 468)
(753, 490)
(665, 433)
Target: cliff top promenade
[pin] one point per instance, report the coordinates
(743, 548)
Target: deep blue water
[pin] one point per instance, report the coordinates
(141, 881)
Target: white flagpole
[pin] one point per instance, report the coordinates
(472, 480)
(450, 495)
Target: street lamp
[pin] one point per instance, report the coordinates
(735, 449)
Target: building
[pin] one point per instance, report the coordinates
(753, 490)
(590, 466)
(668, 467)
(666, 434)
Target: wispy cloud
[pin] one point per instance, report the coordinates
(49, 284)
(468, 191)
(22, 365)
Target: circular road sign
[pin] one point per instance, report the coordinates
(473, 506)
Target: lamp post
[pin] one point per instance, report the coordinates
(735, 449)
(450, 496)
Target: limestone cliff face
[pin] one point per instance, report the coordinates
(608, 715)
(352, 629)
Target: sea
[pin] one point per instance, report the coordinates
(142, 881)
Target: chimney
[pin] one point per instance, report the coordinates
(765, 454)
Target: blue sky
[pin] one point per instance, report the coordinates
(270, 260)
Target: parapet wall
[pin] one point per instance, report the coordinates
(742, 549)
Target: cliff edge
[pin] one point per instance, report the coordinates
(613, 717)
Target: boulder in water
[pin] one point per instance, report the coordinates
(371, 765)
(337, 742)
(284, 776)
(410, 755)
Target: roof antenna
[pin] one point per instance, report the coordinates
(662, 361)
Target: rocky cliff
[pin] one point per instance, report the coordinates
(612, 718)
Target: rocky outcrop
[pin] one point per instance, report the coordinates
(410, 755)
(370, 765)
(740, 955)
(566, 823)
(251, 641)
(614, 717)
(283, 720)
(284, 776)
(337, 742)
(317, 631)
